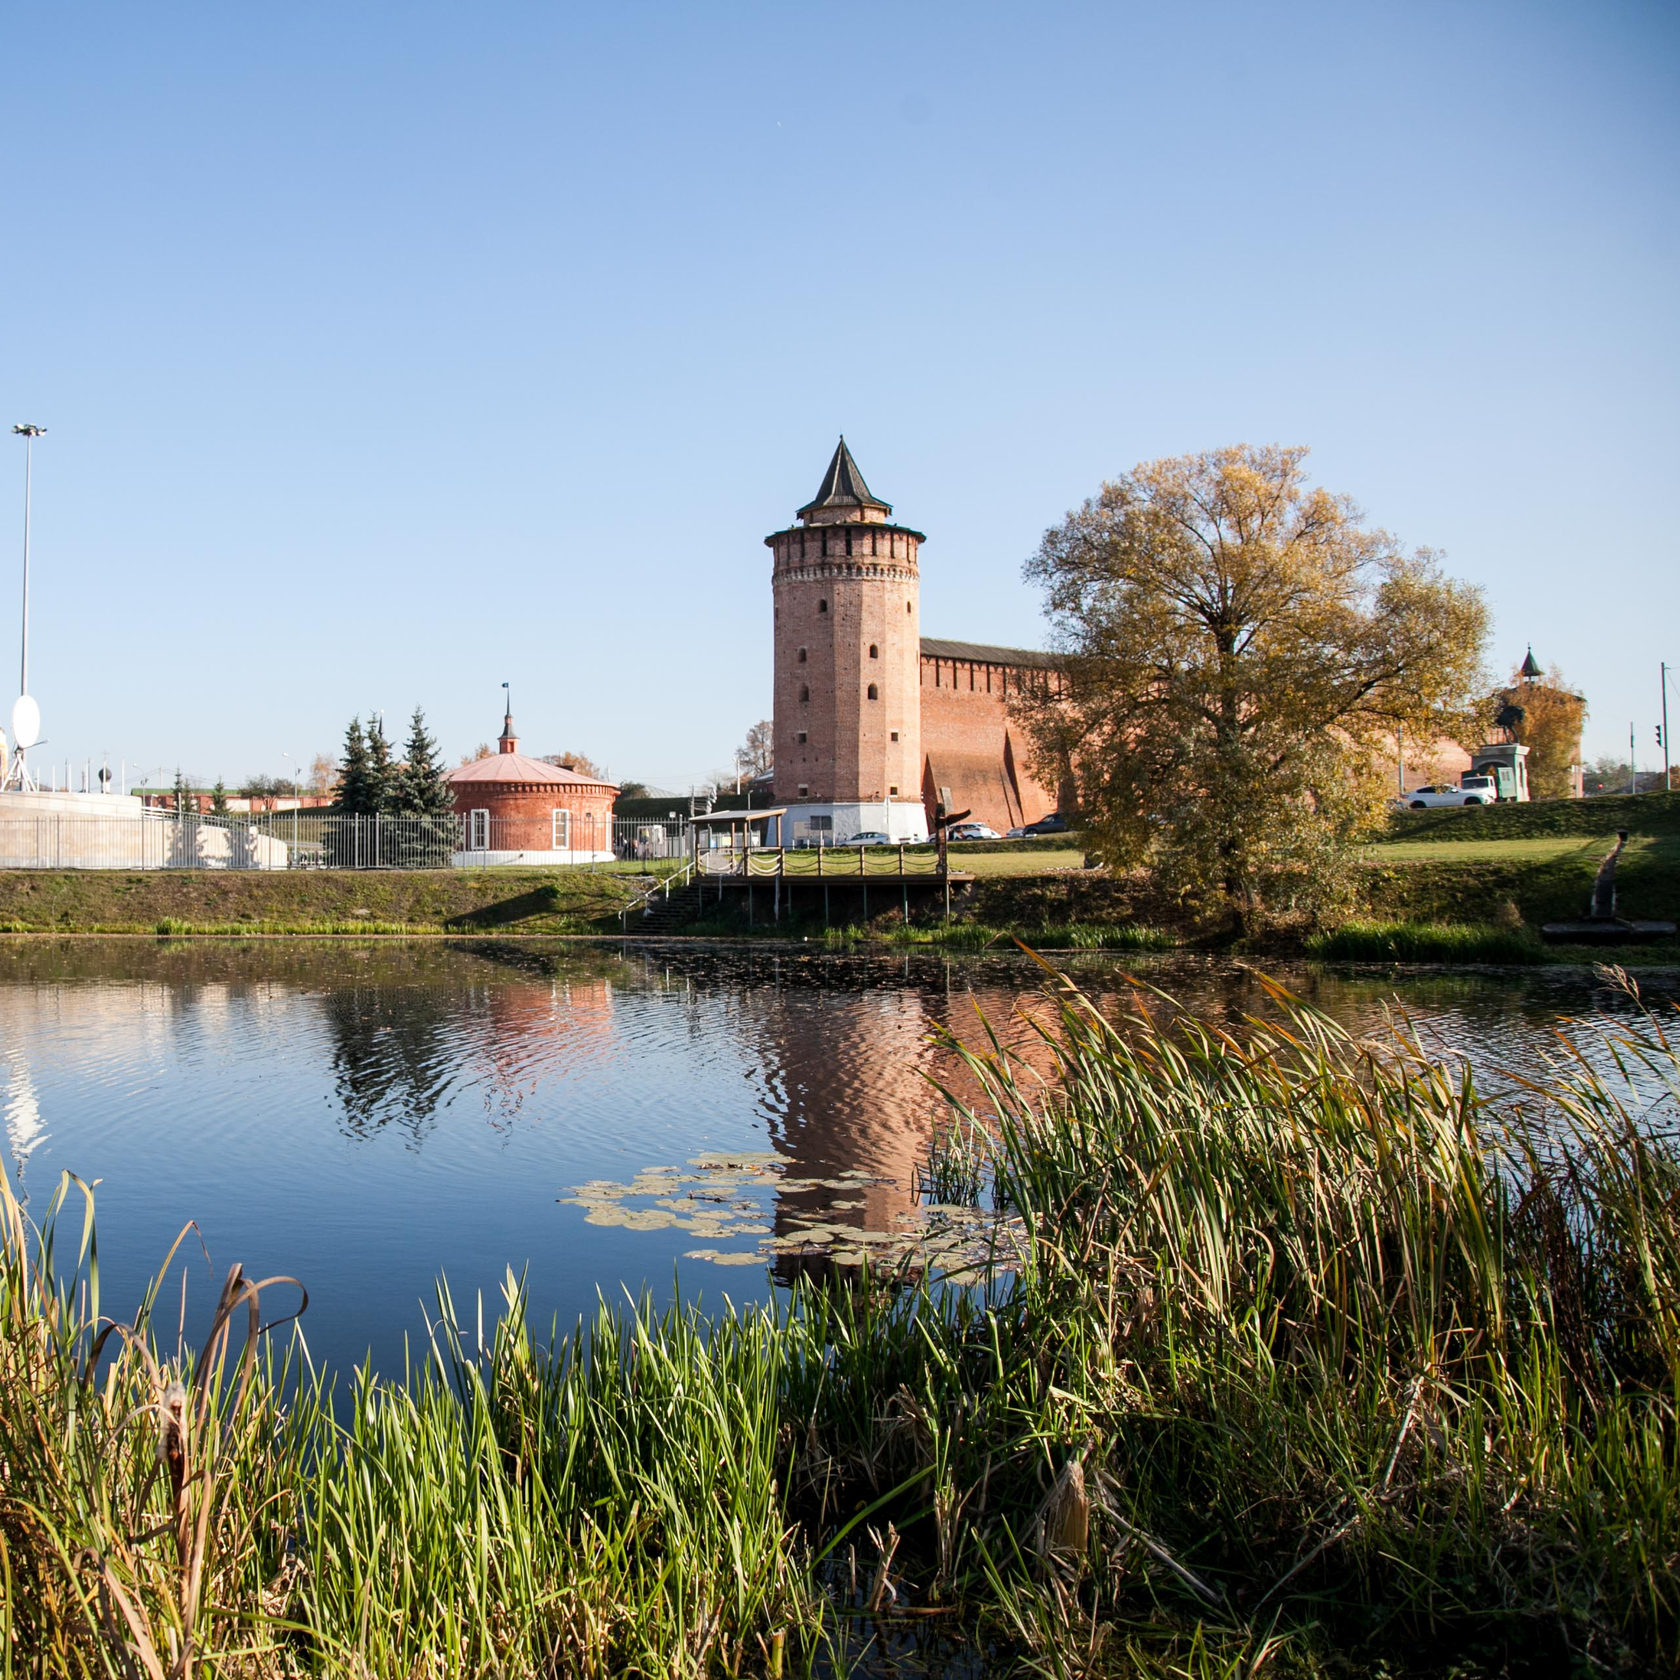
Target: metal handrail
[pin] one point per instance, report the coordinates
(677, 878)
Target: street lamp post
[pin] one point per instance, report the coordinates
(28, 432)
(1668, 753)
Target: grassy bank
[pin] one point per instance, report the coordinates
(979, 936)
(1554, 885)
(1311, 1361)
(1644, 813)
(185, 901)
(1490, 878)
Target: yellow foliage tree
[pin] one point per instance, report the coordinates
(580, 764)
(1239, 648)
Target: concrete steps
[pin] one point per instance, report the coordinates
(666, 914)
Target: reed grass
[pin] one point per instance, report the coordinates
(1431, 942)
(979, 936)
(1310, 1358)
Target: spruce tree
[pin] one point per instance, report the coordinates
(382, 775)
(354, 787)
(421, 789)
(183, 794)
(218, 799)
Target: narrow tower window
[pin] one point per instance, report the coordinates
(873, 695)
(874, 652)
(802, 656)
(822, 606)
(907, 606)
(804, 693)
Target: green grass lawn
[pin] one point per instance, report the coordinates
(1018, 863)
(1470, 851)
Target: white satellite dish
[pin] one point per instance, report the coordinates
(26, 721)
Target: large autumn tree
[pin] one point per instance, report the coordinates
(1239, 648)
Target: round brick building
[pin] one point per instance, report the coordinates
(519, 810)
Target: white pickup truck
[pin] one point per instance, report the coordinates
(1471, 790)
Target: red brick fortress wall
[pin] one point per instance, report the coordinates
(969, 744)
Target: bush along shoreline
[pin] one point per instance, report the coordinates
(1307, 1356)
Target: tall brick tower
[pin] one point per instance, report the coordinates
(848, 737)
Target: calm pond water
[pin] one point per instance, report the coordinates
(369, 1116)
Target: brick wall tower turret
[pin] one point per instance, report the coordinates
(848, 745)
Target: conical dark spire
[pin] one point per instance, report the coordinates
(843, 487)
(1530, 667)
(508, 741)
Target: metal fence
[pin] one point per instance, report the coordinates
(321, 840)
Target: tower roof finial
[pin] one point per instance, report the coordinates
(843, 486)
(1530, 666)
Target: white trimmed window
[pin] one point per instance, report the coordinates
(562, 831)
(478, 831)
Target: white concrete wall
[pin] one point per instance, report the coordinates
(114, 831)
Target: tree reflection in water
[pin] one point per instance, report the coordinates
(396, 1052)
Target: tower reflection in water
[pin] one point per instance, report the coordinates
(833, 1065)
(851, 1054)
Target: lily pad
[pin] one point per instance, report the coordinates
(726, 1257)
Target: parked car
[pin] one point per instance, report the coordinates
(1055, 823)
(1473, 790)
(973, 831)
(870, 837)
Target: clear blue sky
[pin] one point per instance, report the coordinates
(393, 351)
